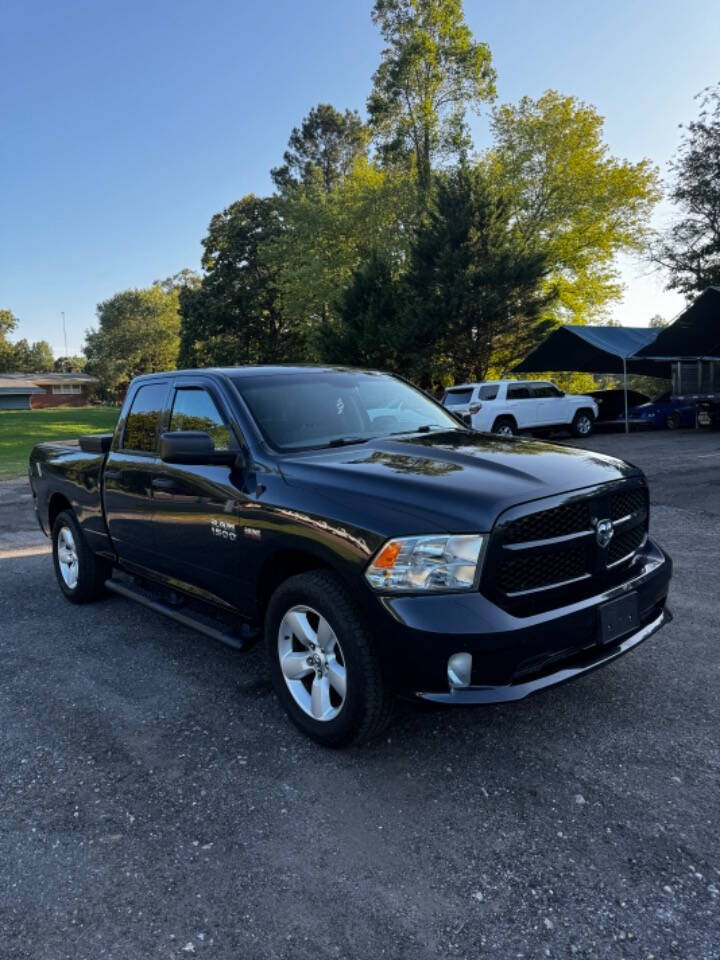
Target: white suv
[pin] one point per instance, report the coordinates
(508, 406)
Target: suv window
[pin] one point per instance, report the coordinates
(518, 393)
(546, 390)
(457, 398)
(141, 426)
(194, 409)
(489, 392)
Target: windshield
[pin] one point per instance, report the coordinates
(298, 411)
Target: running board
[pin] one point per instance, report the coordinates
(192, 619)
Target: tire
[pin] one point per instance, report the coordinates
(318, 607)
(505, 427)
(672, 421)
(80, 573)
(582, 424)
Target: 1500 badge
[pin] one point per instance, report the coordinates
(221, 528)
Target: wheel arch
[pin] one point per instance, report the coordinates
(505, 416)
(279, 566)
(57, 503)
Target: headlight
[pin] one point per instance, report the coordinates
(445, 562)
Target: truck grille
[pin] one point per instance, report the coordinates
(536, 553)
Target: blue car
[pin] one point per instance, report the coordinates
(665, 412)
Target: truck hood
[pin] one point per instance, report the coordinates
(452, 481)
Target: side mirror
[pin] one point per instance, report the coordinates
(196, 447)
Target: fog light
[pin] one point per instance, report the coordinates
(459, 669)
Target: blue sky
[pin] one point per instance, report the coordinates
(125, 126)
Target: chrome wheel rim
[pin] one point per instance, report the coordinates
(67, 557)
(312, 663)
(583, 425)
(505, 430)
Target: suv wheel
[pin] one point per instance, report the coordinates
(504, 427)
(80, 573)
(582, 425)
(324, 667)
(672, 421)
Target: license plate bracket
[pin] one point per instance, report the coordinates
(617, 618)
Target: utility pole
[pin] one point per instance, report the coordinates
(62, 314)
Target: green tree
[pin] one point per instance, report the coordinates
(75, 364)
(569, 196)
(235, 315)
(476, 297)
(658, 321)
(180, 280)
(327, 236)
(8, 323)
(430, 72)
(324, 148)
(690, 251)
(369, 330)
(138, 332)
(41, 359)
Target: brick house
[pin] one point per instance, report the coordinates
(26, 391)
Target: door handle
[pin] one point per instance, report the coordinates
(163, 483)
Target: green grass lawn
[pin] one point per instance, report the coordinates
(20, 430)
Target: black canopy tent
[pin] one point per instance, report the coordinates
(694, 334)
(692, 344)
(596, 350)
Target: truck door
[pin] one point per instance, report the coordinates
(129, 469)
(199, 537)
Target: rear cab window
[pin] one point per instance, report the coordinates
(142, 423)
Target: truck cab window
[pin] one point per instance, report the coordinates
(141, 427)
(194, 409)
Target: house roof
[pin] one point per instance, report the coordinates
(593, 350)
(10, 386)
(47, 379)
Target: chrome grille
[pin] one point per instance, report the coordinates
(557, 522)
(625, 503)
(534, 551)
(531, 571)
(624, 544)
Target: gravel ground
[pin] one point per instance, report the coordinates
(155, 802)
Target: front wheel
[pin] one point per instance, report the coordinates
(504, 427)
(324, 666)
(80, 573)
(582, 425)
(672, 421)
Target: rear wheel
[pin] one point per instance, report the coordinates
(505, 427)
(324, 667)
(582, 424)
(80, 573)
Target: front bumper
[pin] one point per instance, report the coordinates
(518, 691)
(512, 656)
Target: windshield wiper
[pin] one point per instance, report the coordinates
(346, 441)
(429, 428)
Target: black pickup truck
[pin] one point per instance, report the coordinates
(376, 543)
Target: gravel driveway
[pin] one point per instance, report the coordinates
(155, 802)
